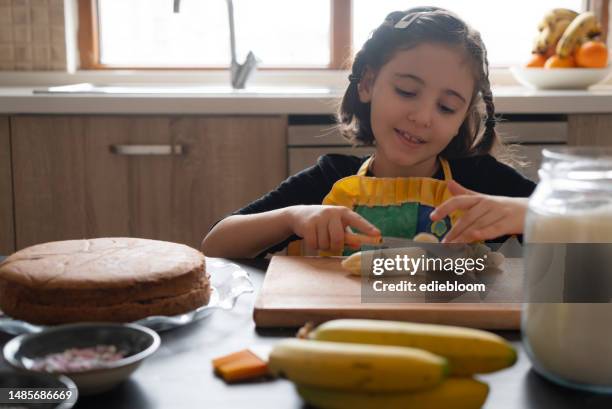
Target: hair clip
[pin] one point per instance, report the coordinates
(354, 78)
(407, 20)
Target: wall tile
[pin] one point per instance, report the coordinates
(58, 35)
(41, 53)
(6, 16)
(32, 35)
(40, 16)
(23, 66)
(56, 16)
(6, 53)
(22, 53)
(58, 53)
(21, 15)
(22, 34)
(41, 35)
(6, 34)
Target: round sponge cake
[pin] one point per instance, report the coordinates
(104, 279)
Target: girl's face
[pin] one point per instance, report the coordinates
(418, 101)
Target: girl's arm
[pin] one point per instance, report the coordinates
(485, 217)
(245, 236)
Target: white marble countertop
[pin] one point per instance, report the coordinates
(269, 101)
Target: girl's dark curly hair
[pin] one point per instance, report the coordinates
(424, 24)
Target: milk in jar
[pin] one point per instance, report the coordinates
(567, 313)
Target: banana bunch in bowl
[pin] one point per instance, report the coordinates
(351, 363)
(567, 39)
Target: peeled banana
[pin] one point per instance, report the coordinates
(585, 25)
(468, 351)
(456, 393)
(348, 366)
(363, 260)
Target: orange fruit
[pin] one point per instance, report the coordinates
(557, 62)
(592, 54)
(537, 60)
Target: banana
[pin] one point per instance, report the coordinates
(426, 238)
(352, 263)
(363, 260)
(456, 393)
(554, 15)
(346, 366)
(468, 350)
(547, 38)
(585, 25)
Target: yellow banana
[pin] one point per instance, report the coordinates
(456, 393)
(554, 15)
(372, 368)
(585, 25)
(468, 350)
(550, 35)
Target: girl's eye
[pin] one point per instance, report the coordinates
(446, 109)
(404, 93)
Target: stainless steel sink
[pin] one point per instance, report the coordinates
(87, 88)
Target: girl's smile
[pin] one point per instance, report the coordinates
(409, 139)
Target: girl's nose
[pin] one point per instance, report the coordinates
(422, 116)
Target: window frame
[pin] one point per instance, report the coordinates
(341, 47)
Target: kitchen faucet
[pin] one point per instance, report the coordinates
(239, 73)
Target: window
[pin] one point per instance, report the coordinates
(148, 33)
(306, 34)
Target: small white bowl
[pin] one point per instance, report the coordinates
(559, 78)
(139, 342)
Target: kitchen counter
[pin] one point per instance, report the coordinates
(179, 374)
(274, 100)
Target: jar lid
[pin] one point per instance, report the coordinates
(584, 163)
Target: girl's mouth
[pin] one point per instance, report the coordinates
(408, 138)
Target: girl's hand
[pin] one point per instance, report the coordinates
(485, 216)
(322, 227)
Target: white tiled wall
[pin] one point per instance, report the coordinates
(32, 35)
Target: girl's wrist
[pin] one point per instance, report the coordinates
(287, 215)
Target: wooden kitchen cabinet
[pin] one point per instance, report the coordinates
(589, 129)
(87, 176)
(7, 233)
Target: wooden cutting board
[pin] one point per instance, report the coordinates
(297, 290)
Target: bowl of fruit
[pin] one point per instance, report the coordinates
(568, 53)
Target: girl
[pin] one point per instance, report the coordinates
(417, 90)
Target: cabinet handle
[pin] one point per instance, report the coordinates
(147, 150)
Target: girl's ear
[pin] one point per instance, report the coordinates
(366, 85)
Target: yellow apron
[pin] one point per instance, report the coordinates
(398, 207)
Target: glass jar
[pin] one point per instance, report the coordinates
(567, 312)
